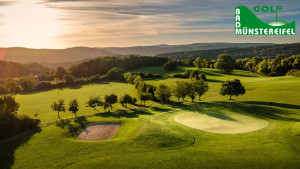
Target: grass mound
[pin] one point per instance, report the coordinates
(225, 123)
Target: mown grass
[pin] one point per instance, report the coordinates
(150, 138)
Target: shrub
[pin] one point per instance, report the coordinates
(69, 79)
(294, 72)
(171, 65)
(114, 74)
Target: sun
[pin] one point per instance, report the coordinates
(29, 23)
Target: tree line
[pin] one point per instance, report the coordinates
(281, 65)
(95, 70)
(11, 122)
(162, 93)
(265, 52)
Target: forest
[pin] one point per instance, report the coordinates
(265, 52)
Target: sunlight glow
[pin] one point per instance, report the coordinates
(29, 23)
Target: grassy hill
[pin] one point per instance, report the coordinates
(149, 137)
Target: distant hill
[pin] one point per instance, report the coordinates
(70, 56)
(267, 51)
(26, 55)
(157, 49)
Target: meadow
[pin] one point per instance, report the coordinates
(149, 137)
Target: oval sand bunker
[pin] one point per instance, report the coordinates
(99, 132)
(225, 123)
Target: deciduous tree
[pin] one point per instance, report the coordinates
(74, 106)
(225, 63)
(232, 88)
(58, 106)
(163, 93)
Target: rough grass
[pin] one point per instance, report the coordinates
(149, 137)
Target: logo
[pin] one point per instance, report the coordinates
(247, 23)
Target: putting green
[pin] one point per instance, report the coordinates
(221, 122)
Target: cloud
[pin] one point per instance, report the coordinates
(121, 22)
(6, 3)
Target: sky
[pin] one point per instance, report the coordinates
(121, 23)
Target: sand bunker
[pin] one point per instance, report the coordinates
(99, 132)
(225, 123)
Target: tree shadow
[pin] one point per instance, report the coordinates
(209, 73)
(132, 113)
(215, 81)
(216, 109)
(239, 73)
(160, 109)
(282, 105)
(67, 125)
(75, 87)
(7, 150)
(82, 121)
(220, 115)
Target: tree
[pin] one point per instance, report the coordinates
(58, 106)
(94, 101)
(10, 122)
(2, 89)
(180, 90)
(111, 99)
(187, 73)
(114, 74)
(263, 68)
(199, 62)
(232, 88)
(12, 87)
(60, 72)
(133, 101)
(144, 96)
(255, 60)
(191, 89)
(126, 99)
(171, 65)
(163, 93)
(201, 87)
(74, 106)
(203, 77)
(69, 79)
(225, 63)
(129, 77)
(137, 79)
(28, 83)
(194, 74)
(8, 105)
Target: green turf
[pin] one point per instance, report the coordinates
(150, 138)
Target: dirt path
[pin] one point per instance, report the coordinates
(99, 132)
(16, 136)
